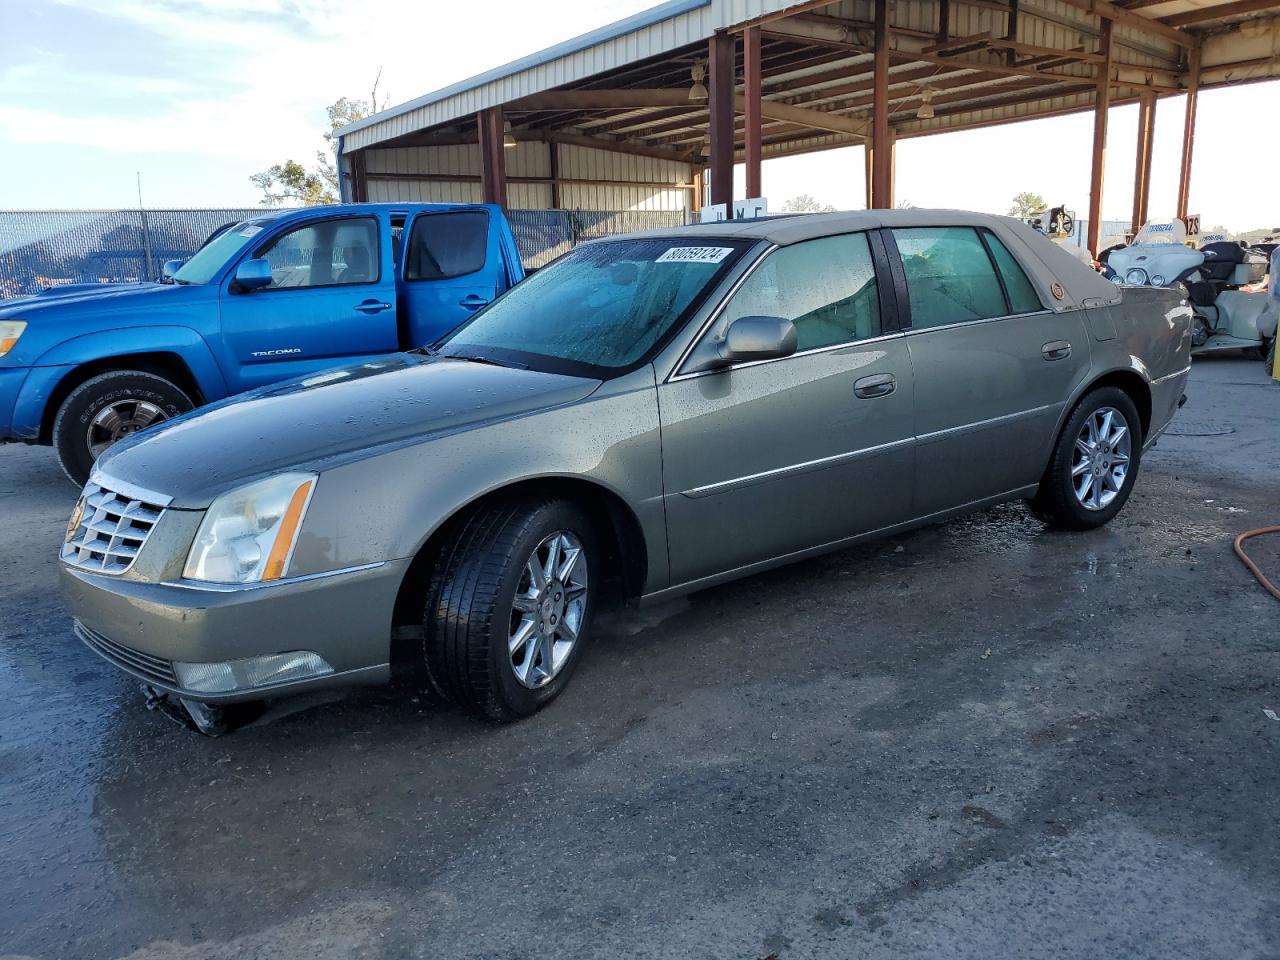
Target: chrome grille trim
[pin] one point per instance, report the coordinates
(112, 529)
(134, 661)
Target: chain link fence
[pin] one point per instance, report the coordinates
(50, 248)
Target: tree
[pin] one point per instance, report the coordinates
(1027, 204)
(291, 182)
(805, 203)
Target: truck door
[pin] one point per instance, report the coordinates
(453, 266)
(331, 300)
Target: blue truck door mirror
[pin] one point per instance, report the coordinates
(253, 274)
(170, 268)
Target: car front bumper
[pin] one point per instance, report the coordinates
(142, 628)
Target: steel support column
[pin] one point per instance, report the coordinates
(881, 152)
(720, 69)
(493, 166)
(1101, 106)
(1189, 130)
(751, 77)
(1142, 166)
(359, 178)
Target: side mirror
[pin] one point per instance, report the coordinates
(758, 338)
(253, 274)
(170, 268)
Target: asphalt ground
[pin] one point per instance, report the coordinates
(980, 740)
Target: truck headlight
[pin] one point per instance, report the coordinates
(10, 331)
(248, 535)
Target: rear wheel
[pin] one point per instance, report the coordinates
(1094, 463)
(1268, 353)
(509, 606)
(107, 408)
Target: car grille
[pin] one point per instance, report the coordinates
(111, 530)
(135, 661)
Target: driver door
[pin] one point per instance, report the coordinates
(769, 458)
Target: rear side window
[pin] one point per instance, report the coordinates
(826, 287)
(444, 245)
(1022, 295)
(950, 278)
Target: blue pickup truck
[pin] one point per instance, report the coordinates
(281, 295)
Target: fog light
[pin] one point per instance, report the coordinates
(251, 672)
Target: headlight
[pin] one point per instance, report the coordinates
(10, 331)
(1136, 276)
(248, 534)
(1157, 281)
(253, 672)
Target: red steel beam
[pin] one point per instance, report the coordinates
(493, 166)
(1142, 167)
(751, 91)
(1101, 106)
(1189, 130)
(722, 52)
(881, 155)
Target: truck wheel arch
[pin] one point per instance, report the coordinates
(171, 366)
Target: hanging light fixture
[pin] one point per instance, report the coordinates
(926, 106)
(508, 138)
(698, 91)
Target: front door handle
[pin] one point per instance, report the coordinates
(1056, 350)
(472, 301)
(877, 385)
(372, 306)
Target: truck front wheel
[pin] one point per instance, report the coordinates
(106, 409)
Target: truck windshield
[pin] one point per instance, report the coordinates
(600, 309)
(209, 260)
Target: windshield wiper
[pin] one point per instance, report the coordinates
(425, 351)
(488, 360)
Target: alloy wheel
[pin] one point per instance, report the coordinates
(1101, 459)
(548, 609)
(118, 420)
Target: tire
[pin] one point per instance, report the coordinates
(1269, 357)
(1057, 502)
(470, 614)
(124, 390)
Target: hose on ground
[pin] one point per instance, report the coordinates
(1238, 546)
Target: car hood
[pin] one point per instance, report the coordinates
(320, 421)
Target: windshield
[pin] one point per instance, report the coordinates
(209, 260)
(599, 309)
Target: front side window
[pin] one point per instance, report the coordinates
(950, 278)
(826, 287)
(1022, 295)
(445, 245)
(325, 254)
(599, 309)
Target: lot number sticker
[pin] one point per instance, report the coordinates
(695, 255)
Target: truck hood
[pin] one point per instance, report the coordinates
(321, 421)
(76, 293)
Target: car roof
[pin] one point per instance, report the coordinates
(1064, 281)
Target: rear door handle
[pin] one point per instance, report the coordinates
(877, 385)
(372, 306)
(1056, 350)
(472, 301)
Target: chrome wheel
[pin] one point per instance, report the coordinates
(1100, 463)
(548, 609)
(117, 420)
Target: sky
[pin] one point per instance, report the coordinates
(196, 95)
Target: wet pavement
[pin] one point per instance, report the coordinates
(978, 740)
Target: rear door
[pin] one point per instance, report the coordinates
(767, 458)
(331, 299)
(452, 266)
(993, 367)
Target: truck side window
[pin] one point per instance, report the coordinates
(444, 245)
(326, 254)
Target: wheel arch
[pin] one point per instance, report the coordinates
(626, 557)
(161, 363)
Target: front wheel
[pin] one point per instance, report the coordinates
(509, 606)
(1094, 463)
(107, 408)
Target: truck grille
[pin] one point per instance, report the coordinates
(134, 661)
(110, 530)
